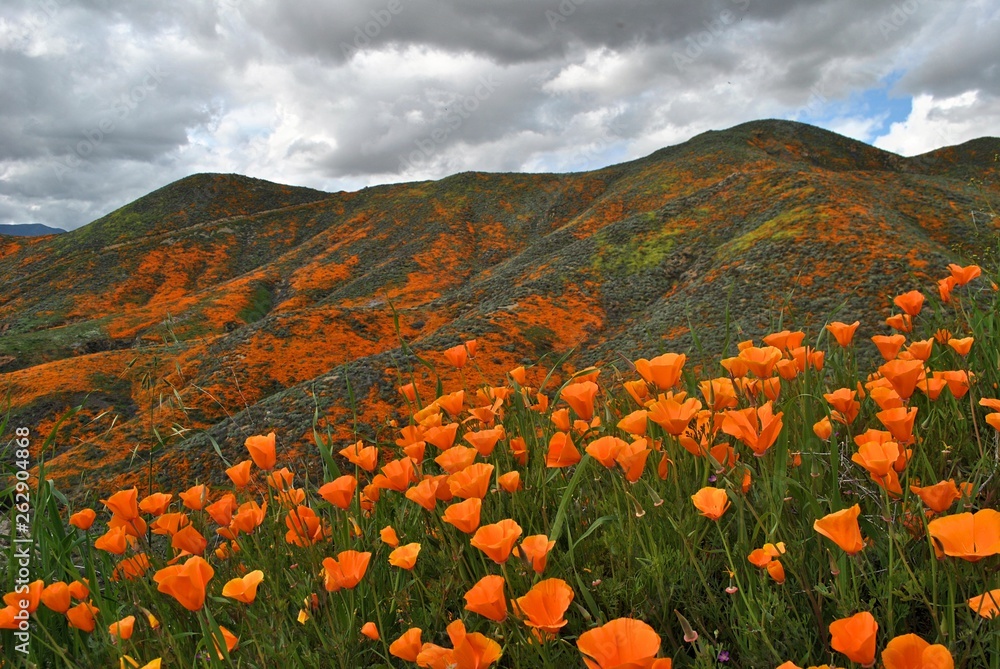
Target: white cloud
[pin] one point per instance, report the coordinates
(936, 122)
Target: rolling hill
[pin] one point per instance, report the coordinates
(222, 306)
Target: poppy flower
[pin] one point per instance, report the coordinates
(562, 452)
(464, 515)
(155, 504)
(957, 380)
(239, 474)
(474, 651)
(909, 651)
(123, 628)
(757, 428)
(889, 345)
(452, 402)
(244, 589)
(903, 375)
(365, 457)
(993, 420)
(843, 333)
(510, 482)
(580, 396)
(77, 589)
(346, 571)
(169, 523)
(519, 374)
(544, 606)
(457, 356)
(961, 346)
(370, 631)
(339, 491)
(987, 604)
(877, 458)
(560, 418)
(785, 340)
(405, 557)
(638, 390)
(855, 637)
(632, 458)
(397, 474)
(473, 481)
(606, 449)
(519, 450)
(56, 597)
(113, 541)
(945, 286)
(131, 568)
(189, 540)
(761, 361)
(124, 504)
(194, 497)
(842, 528)
(441, 436)
(407, 646)
(664, 370)
(938, 497)
(83, 519)
(711, 502)
(305, 527)
(456, 458)
(497, 540)
(81, 616)
(388, 536)
(262, 451)
(280, 479)
(635, 423)
(228, 638)
(886, 397)
(910, 302)
(186, 583)
(409, 391)
(672, 415)
(623, 642)
(899, 422)
(970, 536)
(484, 441)
(487, 599)
(964, 275)
(843, 400)
(535, 549)
(823, 428)
(424, 493)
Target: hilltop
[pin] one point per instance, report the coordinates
(255, 302)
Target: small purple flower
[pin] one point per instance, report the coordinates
(724, 656)
(712, 478)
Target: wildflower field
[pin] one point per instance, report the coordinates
(792, 503)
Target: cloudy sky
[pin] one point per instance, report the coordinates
(106, 100)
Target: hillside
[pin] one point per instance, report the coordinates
(252, 302)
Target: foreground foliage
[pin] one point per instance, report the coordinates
(791, 507)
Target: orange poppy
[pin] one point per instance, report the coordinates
(560, 418)
(711, 502)
(239, 474)
(456, 458)
(938, 497)
(370, 631)
(519, 375)
(186, 583)
(485, 441)
(638, 390)
(409, 391)
(903, 375)
(580, 396)
(464, 515)
(899, 422)
(77, 589)
(562, 452)
(194, 497)
(757, 428)
(987, 604)
(81, 616)
(33, 597)
(964, 275)
(155, 504)
(889, 345)
(606, 449)
(113, 541)
(457, 356)
(189, 540)
(673, 415)
(280, 479)
(993, 420)
(957, 380)
(877, 458)
(910, 302)
(823, 428)
(123, 628)
(388, 536)
(510, 482)
(365, 457)
(405, 557)
(124, 504)
(487, 599)
(909, 651)
(244, 589)
(623, 642)
(535, 549)
(544, 606)
(663, 370)
(497, 540)
(340, 491)
(305, 527)
(346, 571)
(262, 450)
(843, 333)
(785, 340)
(761, 361)
(442, 436)
(855, 637)
(473, 481)
(407, 646)
(970, 536)
(229, 639)
(452, 402)
(56, 597)
(632, 458)
(83, 519)
(424, 493)
(519, 449)
(635, 423)
(843, 400)
(249, 516)
(131, 568)
(842, 528)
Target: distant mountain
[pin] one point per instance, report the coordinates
(29, 230)
(255, 302)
